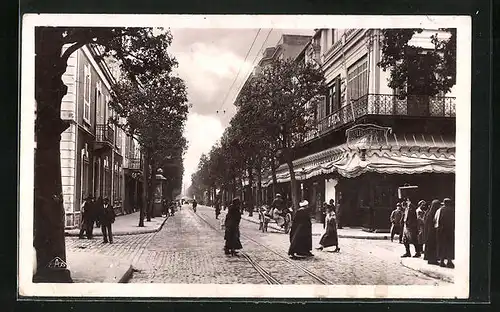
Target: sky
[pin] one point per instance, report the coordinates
(209, 62)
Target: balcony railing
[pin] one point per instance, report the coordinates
(104, 134)
(385, 104)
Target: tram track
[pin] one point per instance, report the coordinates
(263, 272)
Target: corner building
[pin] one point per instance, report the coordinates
(369, 141)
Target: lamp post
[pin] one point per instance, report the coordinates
(302, 175)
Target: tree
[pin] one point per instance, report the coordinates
(415, 70)
(143, 54)
(156, 110)
(288, 92)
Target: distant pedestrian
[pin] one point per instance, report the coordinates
(330, 237)
(217, 208)
(195, 204)
(232, 228)
(445, 224)
(324, 208)
(107, 218)
(410, 229)
(301, 232)
(396, 216)
(430, 239)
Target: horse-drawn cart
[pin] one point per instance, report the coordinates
(266, 216)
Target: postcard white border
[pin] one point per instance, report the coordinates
(460, 289)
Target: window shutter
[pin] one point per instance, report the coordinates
(337, 93)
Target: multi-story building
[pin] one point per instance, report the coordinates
(92, 148)
(369, 140)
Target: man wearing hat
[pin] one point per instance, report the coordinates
(395, 219)
(301, 232)
(445, 225)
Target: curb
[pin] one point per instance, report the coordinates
(429, 273)
(127, 276)
(318, 234)
(145, 231)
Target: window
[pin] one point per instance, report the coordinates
(98, 103)
(86, 93)
(333, 97)
(357, 79)
(109, 112)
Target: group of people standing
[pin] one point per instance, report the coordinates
(99, 212)
(432, 227)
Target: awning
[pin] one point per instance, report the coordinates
(397, 154)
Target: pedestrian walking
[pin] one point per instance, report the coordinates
(107, 218)
(330, 237)
(430, 239)
(396, 216)
(410, 229)
(301, 232)
(195, 204)
(232, 228)
(421, 209)
(445, 225)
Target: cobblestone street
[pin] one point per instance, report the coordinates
(188, 249)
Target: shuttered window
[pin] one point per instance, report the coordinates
(357, 79)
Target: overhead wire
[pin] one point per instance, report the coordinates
(255, 59)
(239, 70)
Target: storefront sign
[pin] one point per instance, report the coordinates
(368, 134)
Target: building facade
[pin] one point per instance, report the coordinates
(93, 149)
(369, 140)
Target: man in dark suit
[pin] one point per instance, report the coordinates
(107, 218)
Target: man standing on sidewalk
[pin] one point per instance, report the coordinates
(217, 207)
(87, 222)
(395, 219)
(107, 218)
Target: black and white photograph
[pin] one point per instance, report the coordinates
(245, 156)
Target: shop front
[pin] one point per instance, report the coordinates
(363, 175)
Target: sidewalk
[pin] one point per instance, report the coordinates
(434, 271)
(127, 225)
(97, 268)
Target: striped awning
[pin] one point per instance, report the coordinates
(397, 153)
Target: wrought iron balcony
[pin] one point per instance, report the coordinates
(388, 105)
(104, 133)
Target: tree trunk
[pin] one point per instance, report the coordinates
(250, 201)
(293, 182)
(49, 241)
(259, 183)
(152, 188)
(143, 206)
(273, 173)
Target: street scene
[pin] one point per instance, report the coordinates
(188, 249)
(266, 156)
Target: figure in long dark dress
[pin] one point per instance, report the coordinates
(232, 228)
(430, 242)
(330, 237)
(301, 232)
(446, 233)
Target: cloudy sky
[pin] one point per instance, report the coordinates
(209, 61)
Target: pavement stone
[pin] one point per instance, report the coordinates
(127, 225)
